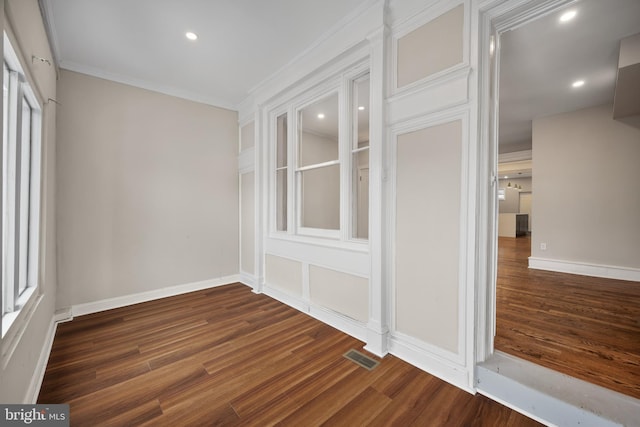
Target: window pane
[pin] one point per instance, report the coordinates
(361, 97)
(6, 286)
(318, 132)
(24, 184)
(360, 160)
(361, 195)
(321, 198)
(281, 200)
(281, 145)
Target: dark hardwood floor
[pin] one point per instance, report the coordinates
(226, 356)
(586, 327)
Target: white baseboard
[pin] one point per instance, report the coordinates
(285, 298)
(248, 279)
(332, 318)
(110, 303)
(446, 370)
(341, 322)
(553, 398)
(33, 391)
(585, 269)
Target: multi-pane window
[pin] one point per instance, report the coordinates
(318, 169)
(322, 175)
(281, 172)
(20, 188)
(360, 159)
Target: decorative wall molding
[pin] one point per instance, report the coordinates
(344, 260)
(455, 368)
(436, 94)
(432, 363)
(332, 318)
(122, 301)
(585, 269)
(415, 20)
(247, 160)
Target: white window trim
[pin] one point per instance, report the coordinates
(342, 82)
(23, 306)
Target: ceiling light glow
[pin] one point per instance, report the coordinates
(191, 36)
(361, 108)
(578, 83)
(321, 116)
(568, 16)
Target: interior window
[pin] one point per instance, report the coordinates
(319, 165)
(360, 158)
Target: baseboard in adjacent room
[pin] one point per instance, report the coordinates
(585, 269)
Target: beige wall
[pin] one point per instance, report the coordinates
(341, 292)
(284, 274)
(431, 48)
(428, 233)
(247, 214)
(586, 184)
(148, 190)
(24, 18)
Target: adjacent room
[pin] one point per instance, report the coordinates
(348, 212)
(566, 297)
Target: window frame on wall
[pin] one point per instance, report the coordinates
(21, 174)
(342, 83)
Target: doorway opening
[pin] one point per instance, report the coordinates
(554, 80)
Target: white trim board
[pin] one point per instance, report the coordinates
(585, 269)
(332, 318)
(551, 397)
(122, 301)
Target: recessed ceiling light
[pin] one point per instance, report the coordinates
(321, 116)
(568, 16)
(361, 107)
(578, 83)
(191, 36)
(506, 177)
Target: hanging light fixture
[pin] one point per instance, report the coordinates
(509, 185)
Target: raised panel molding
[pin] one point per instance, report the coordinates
(412, 21)
(332, 318)
(456, 368)
(354, 262)
(432, 96)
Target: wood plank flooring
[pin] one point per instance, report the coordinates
(226, 356)
(586, 327)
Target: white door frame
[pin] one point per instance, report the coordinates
(495, 17)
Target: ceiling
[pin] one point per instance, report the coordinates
(539, 62)
(240, 42)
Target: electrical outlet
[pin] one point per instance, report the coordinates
(543, 246)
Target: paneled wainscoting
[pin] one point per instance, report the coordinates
(226, 356)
